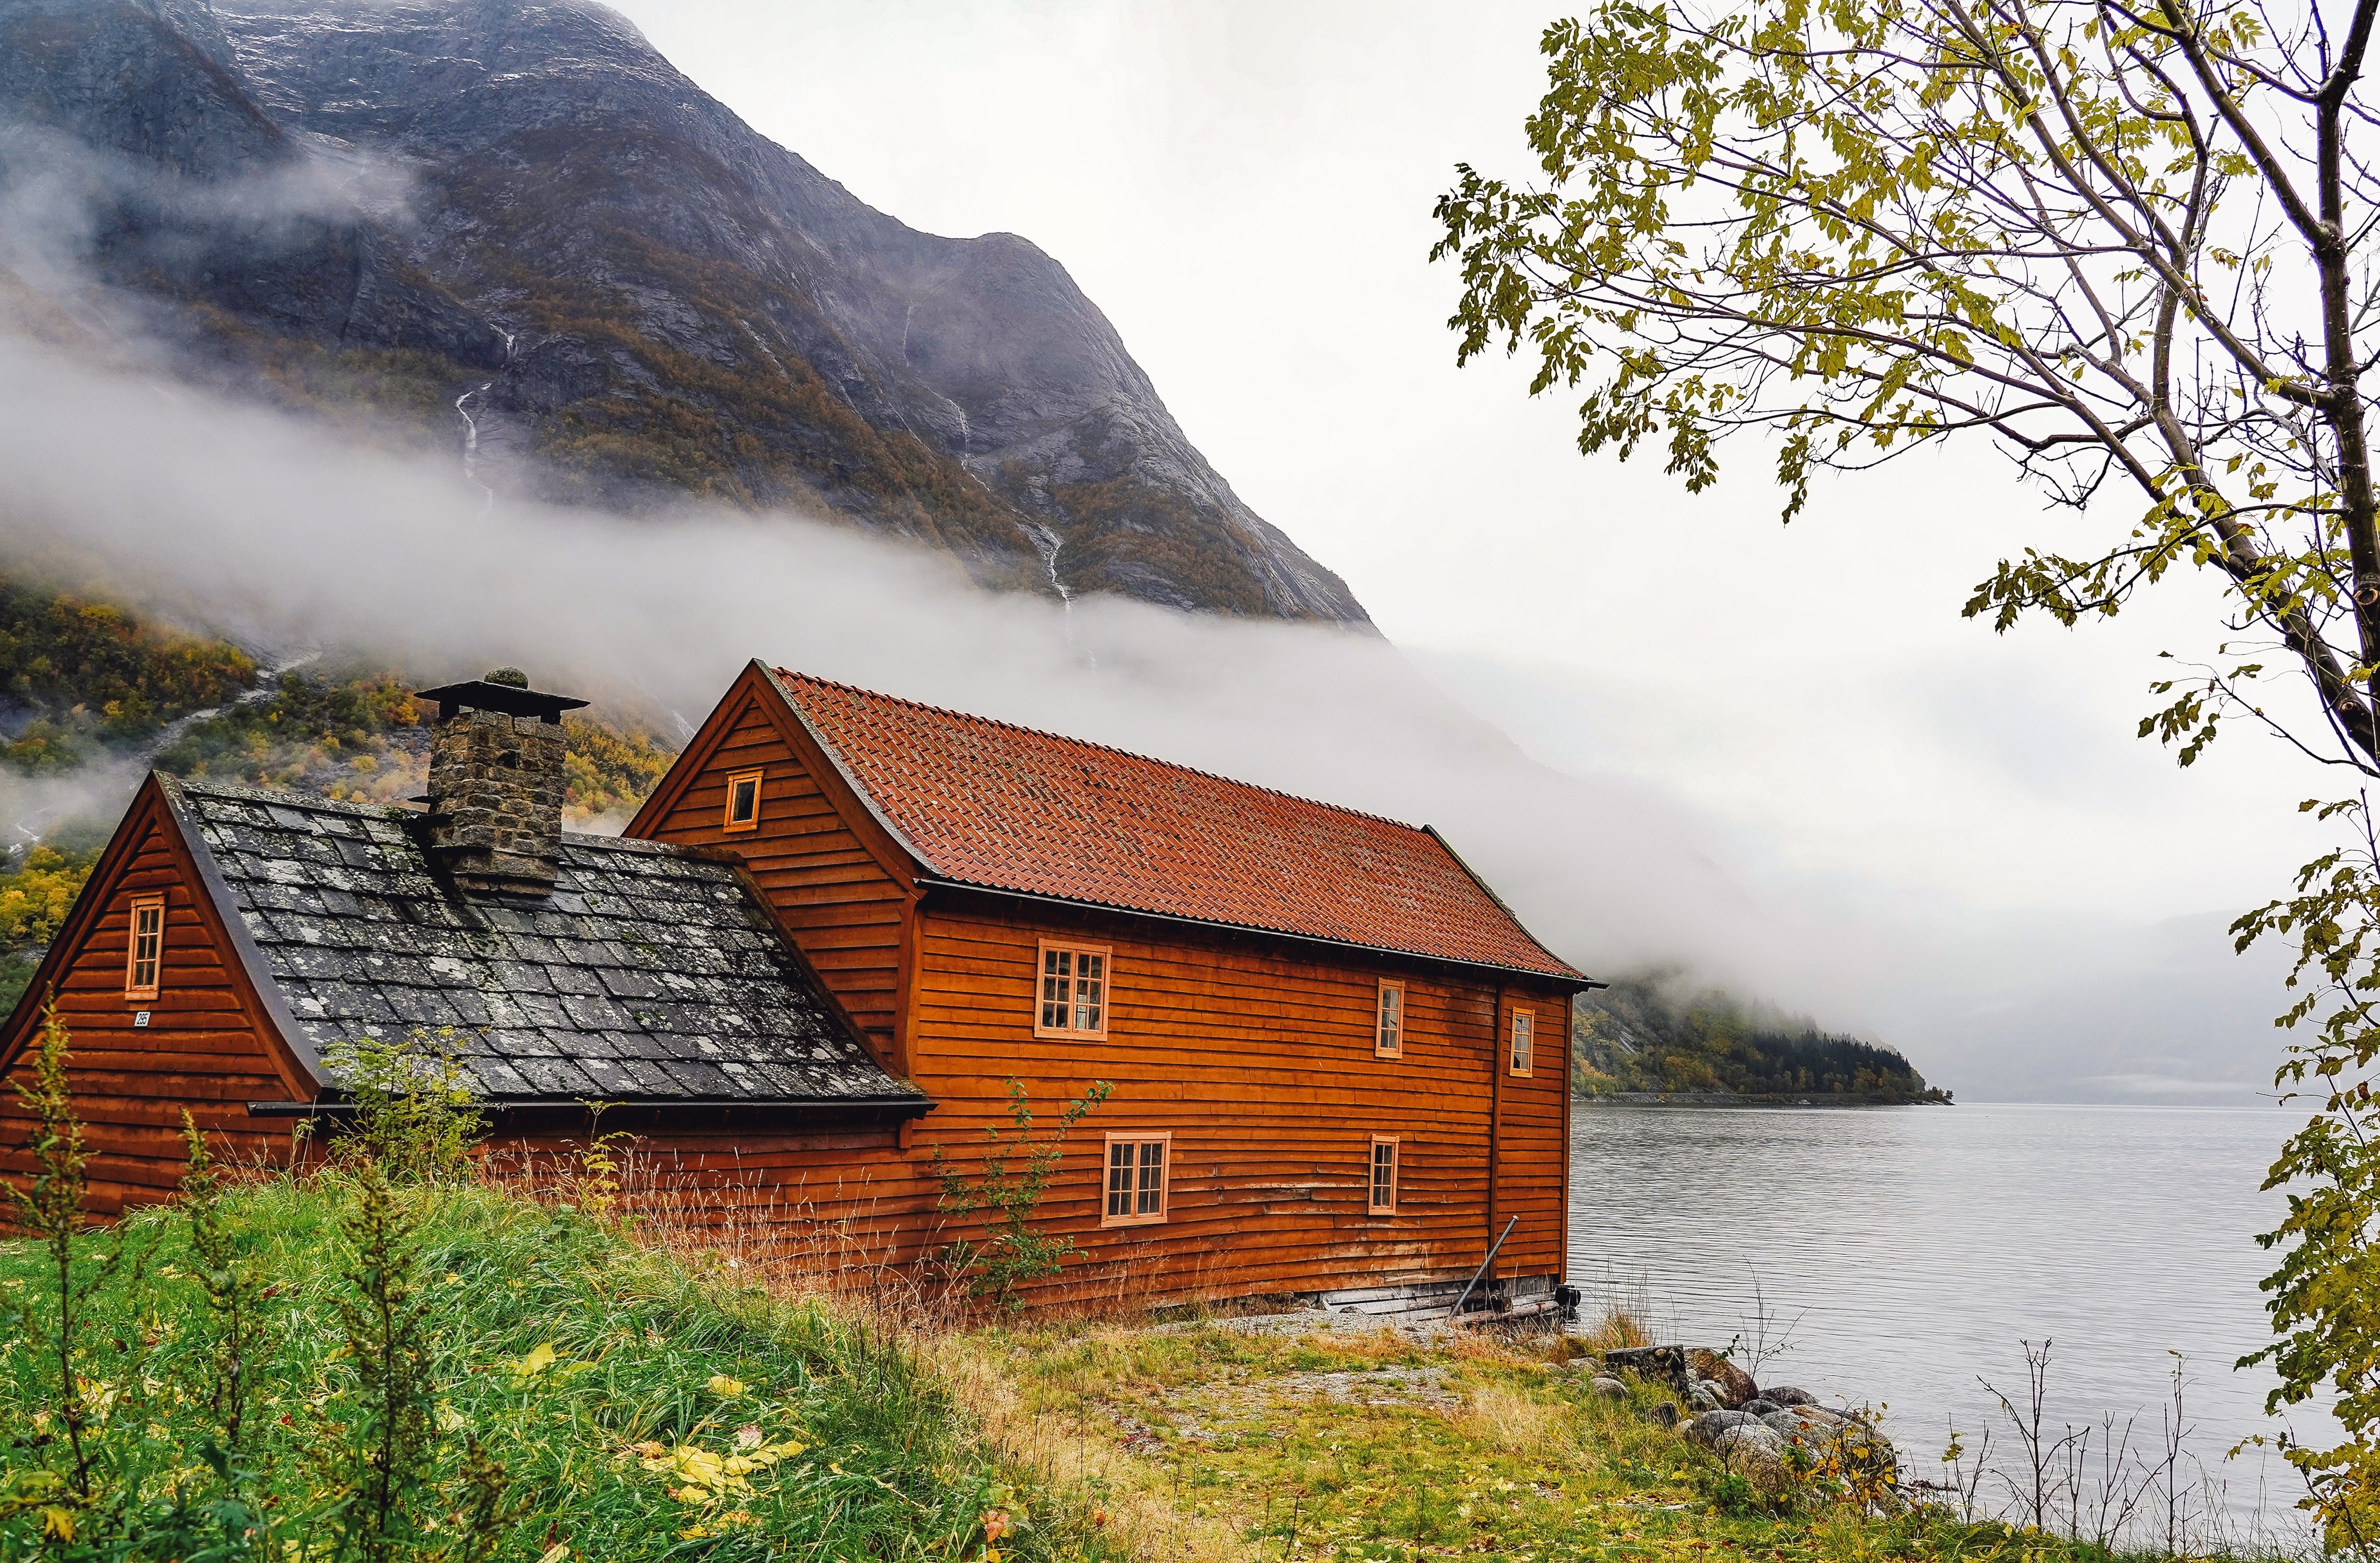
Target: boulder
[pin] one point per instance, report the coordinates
(1705, 1429)
(1609, 1388)
(1735, 1386)
(1758, 1455)
(1810, 1424)
(1663, 1364)
(1664, 1413)
(1704, 1396)
(1760, 1407)
(1789, 1397)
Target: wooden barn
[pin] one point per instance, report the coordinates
(810, 972)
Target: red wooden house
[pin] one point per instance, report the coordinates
(823, 950)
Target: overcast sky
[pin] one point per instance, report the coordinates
(1245, 188)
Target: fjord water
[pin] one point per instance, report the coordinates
(1909, 1250)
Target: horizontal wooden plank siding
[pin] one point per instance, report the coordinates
(201, 1050)
(1258, 1058)
(1532, 1141)
(843, 908)
(840, 1203)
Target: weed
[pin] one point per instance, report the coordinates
(442, 1372)
(1012, 1251)
(413, 1109)
(53, 1211)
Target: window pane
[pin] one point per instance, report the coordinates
(1152, 1177)
(747, 793)
(1089, 992)
(1384, 1175)
(1056, 988)
(1120, 1177)
(1521, 1024)
(1391, 1002)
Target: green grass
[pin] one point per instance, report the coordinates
(614, 1383)
(1441, 1451)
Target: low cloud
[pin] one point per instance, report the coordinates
(260, 528)
(58, 192)
(265, 529)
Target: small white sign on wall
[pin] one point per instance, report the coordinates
(140, 1017)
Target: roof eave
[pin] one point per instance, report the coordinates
(1568, 977)
(841, 768)
(260, 980)
(904, 1106)
(1502, 905)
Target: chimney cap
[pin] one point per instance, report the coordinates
(504, 689)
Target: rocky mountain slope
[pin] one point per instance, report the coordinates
(513, 220)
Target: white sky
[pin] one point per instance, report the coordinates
(1245, 189)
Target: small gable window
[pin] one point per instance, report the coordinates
(146, 957)
(1073, 997)
(1524, 1026)
(1136, 1179)
(1384, 1175)
(1389, 1036)
(744, 800)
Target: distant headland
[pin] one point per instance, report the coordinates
(1659, 1036)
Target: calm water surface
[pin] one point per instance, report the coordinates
(1909, 1250)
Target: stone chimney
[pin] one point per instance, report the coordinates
(495, 784)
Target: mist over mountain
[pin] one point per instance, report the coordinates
(515, 223)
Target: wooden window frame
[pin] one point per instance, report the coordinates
(1521, 1063)
(134, 989)
(1380, 1023)
(759, 777)
(1040, 993)
(1136, 1137)
(1372, 1205)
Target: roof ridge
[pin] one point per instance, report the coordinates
(633, 844)
(288, 796)
(1107, 748)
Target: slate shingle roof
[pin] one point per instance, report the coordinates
(987, 803)
(651, 973)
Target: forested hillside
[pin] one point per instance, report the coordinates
(1655, 1031)
(89, 689)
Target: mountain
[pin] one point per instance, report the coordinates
(513, 223)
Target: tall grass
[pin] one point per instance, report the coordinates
(640, 1406)
(388, 1356)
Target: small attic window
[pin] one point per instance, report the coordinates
(744, 800)
(1524, 1028)
(144, 959)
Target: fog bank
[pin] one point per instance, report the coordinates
(261, 527)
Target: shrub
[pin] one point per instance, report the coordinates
(1014, 1250)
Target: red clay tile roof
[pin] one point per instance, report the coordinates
(986, 803)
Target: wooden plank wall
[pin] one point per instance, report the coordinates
(201, 1050)
(837, 1203)
(1260, 1062)
(1533, 1137)
(843, 908)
